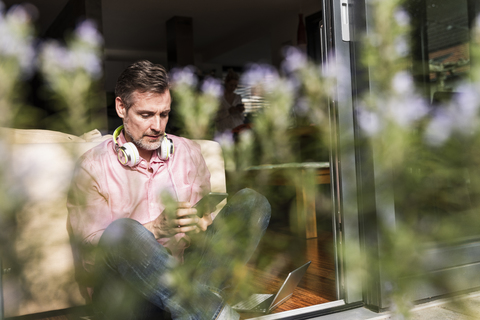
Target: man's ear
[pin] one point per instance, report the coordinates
(120, 107)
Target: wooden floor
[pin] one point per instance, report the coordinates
(285, 253)
(317, 286)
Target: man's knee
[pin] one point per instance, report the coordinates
(257, 205)
(255, 199)
(120, 231)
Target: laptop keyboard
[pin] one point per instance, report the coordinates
(253, 301)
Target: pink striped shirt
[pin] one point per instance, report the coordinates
(104, 190)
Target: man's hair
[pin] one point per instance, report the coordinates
(142, 76)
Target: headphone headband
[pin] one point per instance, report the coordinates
(116, 133)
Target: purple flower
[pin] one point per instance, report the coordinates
(56, 57)
(89, 61)
(295, 59)
(268, 78)
(439, 129)
(337, 74)
(261, 74)
(212, 86)
(405, 105)
(302, 106)
(225, 139)
(460, 115)
(467, 101)
(16, 37)
(401, 46)
(402, 83)
(463, 109)
(184, 76)
(402, 17)
(406, 111)
(369, 121)
(18, 14)
(87, 31)
(329, 69)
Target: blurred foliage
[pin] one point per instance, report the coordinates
(71, 74)
(16, 54)
(426, 161)
(296, 102)
(195, 111)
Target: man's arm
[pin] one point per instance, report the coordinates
(88, 209)
(88, 216)
(184, 218)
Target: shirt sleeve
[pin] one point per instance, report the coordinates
(88, 209)
(88, 216)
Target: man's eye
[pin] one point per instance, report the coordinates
(145, 116)
(164, 114)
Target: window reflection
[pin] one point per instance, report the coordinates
(448, 43)
(441, 62)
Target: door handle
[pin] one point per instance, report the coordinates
(345, 21)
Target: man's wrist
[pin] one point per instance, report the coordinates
(153, 228)
(157, 231)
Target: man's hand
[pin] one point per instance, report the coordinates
(184, 220)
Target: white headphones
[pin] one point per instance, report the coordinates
(128, 154)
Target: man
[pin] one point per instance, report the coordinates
(128, 242)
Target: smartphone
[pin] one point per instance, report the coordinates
(209, 202)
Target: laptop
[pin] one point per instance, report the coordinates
(264, 303)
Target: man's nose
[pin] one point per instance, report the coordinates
(156, 124)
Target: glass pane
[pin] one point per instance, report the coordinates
(440, 177)
(230, 38)
(216, 39)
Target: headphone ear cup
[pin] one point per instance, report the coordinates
(166, 149)
(128, 154)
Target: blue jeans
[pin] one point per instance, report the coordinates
(136, 278)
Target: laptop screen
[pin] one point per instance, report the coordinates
(289, 285)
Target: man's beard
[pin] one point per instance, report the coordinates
(140, 143)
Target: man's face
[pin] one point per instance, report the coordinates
(145, 121)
